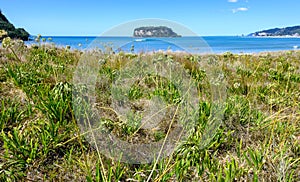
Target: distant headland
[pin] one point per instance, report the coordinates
(8, 29)
(279, 32)
(152, 31)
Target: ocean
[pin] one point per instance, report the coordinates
(212, 44)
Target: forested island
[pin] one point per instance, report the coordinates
(152, 31)
(8, 29)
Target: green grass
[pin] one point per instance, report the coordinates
(258, 140)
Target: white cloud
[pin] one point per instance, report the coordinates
(232, 1)
(239, 9)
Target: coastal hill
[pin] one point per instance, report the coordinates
(288, 31)
(152, 31)
(12, 32)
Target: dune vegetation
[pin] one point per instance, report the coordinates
(40, 140)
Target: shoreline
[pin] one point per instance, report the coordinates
(52, 44)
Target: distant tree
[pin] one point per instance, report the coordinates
(2, 17)
(14, 33)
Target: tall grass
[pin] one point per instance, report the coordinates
(258, 140)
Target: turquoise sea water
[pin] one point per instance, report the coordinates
(214, 44)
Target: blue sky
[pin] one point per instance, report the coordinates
(204, 17)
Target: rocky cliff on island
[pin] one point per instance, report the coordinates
(286, 32)
(8, 29)
(152, 31)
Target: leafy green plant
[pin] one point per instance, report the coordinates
(10, 113)
(19, 151)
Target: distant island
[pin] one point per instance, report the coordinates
(10, 30)
(286, 32)
(152, 31)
